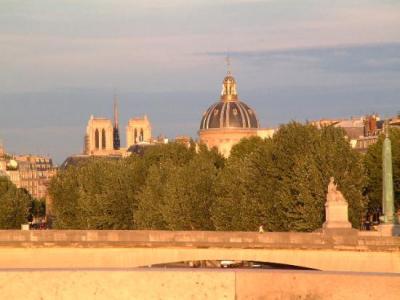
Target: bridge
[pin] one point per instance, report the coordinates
(341, 250)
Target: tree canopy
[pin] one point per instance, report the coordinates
(15, 205)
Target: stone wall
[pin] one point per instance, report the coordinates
(195, 284)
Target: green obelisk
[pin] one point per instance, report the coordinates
(387, 177)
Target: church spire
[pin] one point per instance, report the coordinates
(116, 139)
(116, 121)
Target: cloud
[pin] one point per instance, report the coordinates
(351, 58)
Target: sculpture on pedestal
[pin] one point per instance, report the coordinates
(336, 208)
(333, 194)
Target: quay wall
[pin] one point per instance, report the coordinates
(195, 284)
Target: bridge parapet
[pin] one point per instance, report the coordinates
(198, 239)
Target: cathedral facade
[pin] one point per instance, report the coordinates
(102, 135)
(229, 120)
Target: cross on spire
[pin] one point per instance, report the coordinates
(228, 64)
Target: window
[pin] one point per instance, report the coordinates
(141, 135)
(135, 136)
(96, 139)
(103, 139)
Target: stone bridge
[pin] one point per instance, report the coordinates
(348, 250)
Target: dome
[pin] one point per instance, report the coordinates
(229, 112)
(235, 114)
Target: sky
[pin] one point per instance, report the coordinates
(62, 61)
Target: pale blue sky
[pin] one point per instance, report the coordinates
(293, 59)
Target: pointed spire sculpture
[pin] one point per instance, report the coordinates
(387, 177)
(116, 139)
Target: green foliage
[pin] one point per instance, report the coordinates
(212, 155)
(248, 146)
(175, 152)
(149, 214)
(14, 205)
(373, 170)
(189, 193)
(243, 188)
(99, 194)
(282, 182)
(64, 192)
(178, 196)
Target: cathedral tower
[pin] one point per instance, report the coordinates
(138, 131)
(99, 136)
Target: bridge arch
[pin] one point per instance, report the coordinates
(325, 260)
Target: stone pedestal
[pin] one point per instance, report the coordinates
(389, 229)
(336, 215)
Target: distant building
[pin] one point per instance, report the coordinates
(35, 174)
(30, 172)
(361, 132)
(229, 120)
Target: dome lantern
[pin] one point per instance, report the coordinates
(229, 92)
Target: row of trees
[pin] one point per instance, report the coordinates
(279, 182)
